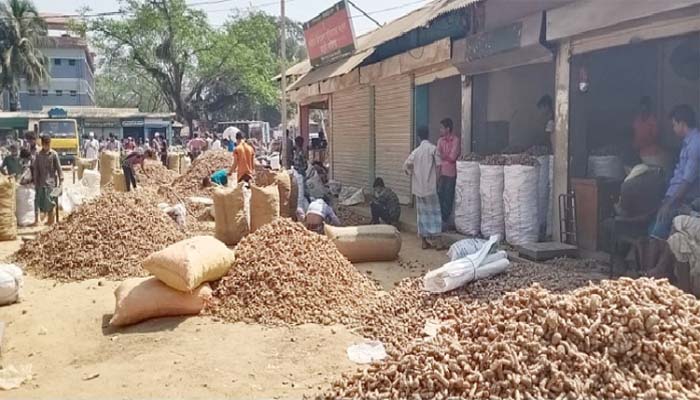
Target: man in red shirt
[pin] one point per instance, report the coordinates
(449, 148)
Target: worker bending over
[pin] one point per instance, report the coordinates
(318, 214)
(137, 157)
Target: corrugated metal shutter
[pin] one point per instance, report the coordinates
(350, 137)
(393, 127)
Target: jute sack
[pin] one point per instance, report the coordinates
(139, 299)
(8, 221)
(264, 206)
(173, 161)
(187, 264)
(366, 243)
(109, 162)
(230, 214)
(83, 164)
(283, 182)
(119, 181)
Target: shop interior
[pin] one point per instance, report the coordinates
(506, 116)
(436, 101)
(607, 88)
(666, 71)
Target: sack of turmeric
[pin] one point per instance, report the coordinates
(187, 264)
(264, 206)
(139, 299)
(230, 214)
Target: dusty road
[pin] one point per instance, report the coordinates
(62, 331)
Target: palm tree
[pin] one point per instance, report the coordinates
(21, 31)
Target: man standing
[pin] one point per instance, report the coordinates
(113, 144)
(196, 146)
(449, 148)
(92, 147)
(216, 144)
(684, 186)
(646, 136)
(11, 164)
(300, 164)
(47, 176)
(385, 206)
(422, 164)
(243, 159)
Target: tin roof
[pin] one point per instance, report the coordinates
(366, 43)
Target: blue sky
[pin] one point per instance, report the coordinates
(301, 10)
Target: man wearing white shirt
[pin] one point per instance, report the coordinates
(216, 144)
(92, 147)
(422, 164)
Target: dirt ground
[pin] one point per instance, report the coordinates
(62, 331)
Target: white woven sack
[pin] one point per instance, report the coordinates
(468, 198)
(491, 193)
(520, 201)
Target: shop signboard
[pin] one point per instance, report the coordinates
(101, 123)
(330, 35)
(131, 123)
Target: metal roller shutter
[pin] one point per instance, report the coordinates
(351, 135)
(393, 112)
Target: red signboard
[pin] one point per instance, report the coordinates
(330, 36)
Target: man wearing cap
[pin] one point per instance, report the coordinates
(92, 147)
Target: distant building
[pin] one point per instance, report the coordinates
(71, 69)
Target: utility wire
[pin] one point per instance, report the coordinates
(391, 8)
(364, 13)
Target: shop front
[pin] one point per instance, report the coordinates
(511, 71)
(626, 71)
(102, 128)
(133, 128)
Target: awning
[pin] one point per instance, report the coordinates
(337, 68)
(509, 46)
(588, 15)
(14, 123)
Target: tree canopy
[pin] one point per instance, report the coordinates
(164, 54)
(21, 32)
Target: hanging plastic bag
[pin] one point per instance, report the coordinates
(476, 266)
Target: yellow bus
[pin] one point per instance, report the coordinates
(64, 137)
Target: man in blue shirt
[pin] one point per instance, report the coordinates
(685, 185)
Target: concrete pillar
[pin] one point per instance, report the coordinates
(466, 114)
(561, 131)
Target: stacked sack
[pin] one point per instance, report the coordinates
(8, 220)
(179, 282)
(109, 162)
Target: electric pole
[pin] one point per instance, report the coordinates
(283, 74)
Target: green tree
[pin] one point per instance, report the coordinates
(21, 32)
(198, 70)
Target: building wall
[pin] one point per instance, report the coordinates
(512, 96)
(75, 82)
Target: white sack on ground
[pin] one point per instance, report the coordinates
(457, 273)
(464, 248)
(11, 280)
(367, 352)
(606, 167)
(25, 205)
(491, 193)
(520, 204)
(468, 198)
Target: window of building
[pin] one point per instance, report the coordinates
(56, 61)
(32, 92)
(44, 92)
(59, 93)
(71, 62)
(73, 93)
